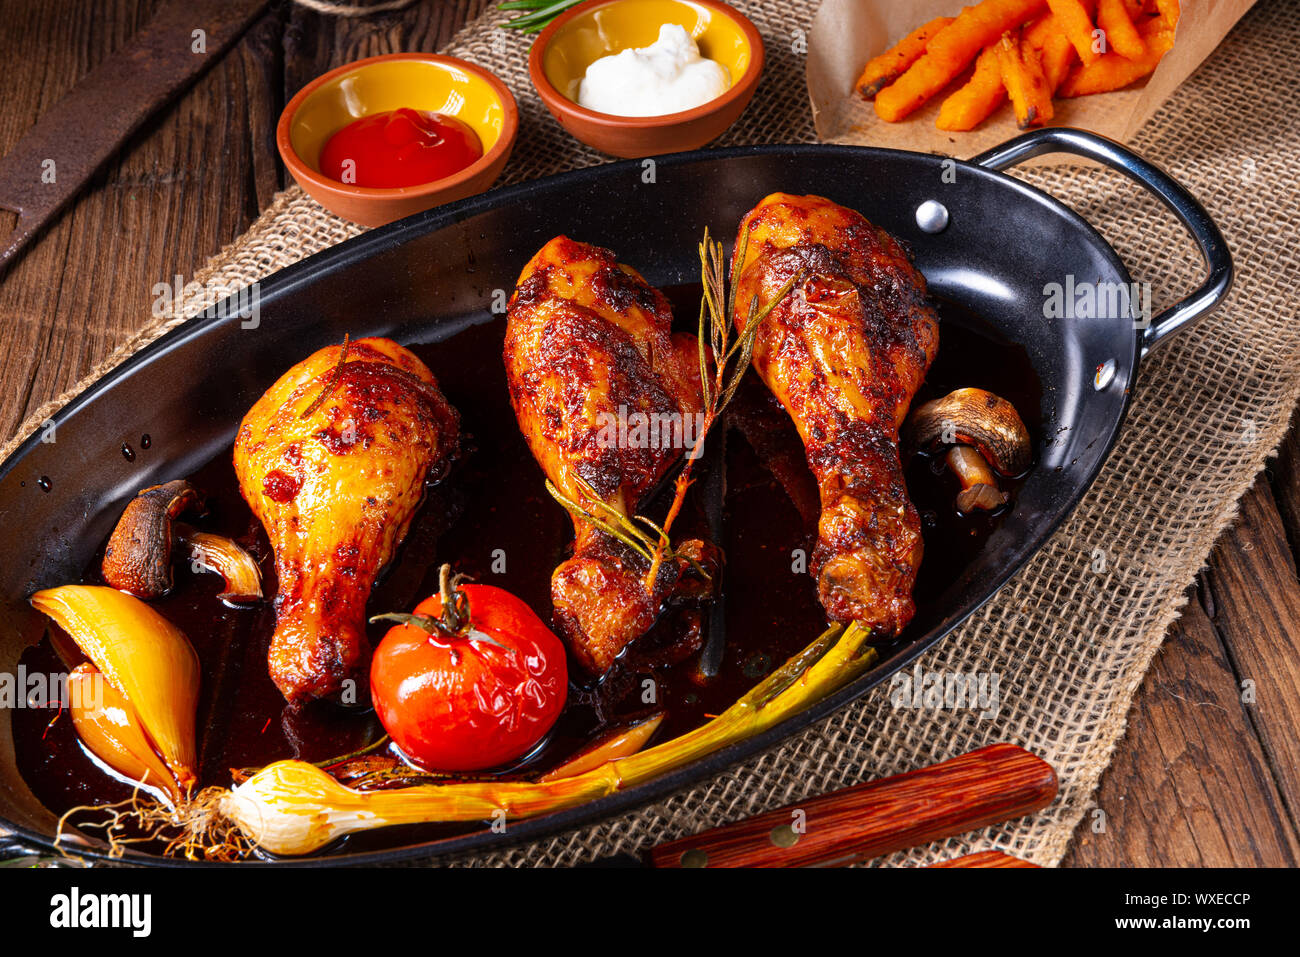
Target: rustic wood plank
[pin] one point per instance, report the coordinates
(261, 57)
(181, 189)
(1257, 603)
(314, 44)
(1284, 481)
(1189, 784)
(56, 43)
(189, 183)
(1202, 778)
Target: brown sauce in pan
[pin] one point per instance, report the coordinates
(492, 519)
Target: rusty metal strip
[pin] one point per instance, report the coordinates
(55, 158)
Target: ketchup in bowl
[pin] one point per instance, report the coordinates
(403, 147)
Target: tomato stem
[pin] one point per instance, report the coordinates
(455, 603)
(454, 621)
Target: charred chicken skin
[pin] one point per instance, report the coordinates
(588, 344)
(844, 353)
(335, 482)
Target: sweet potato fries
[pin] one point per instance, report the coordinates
(1028, 51)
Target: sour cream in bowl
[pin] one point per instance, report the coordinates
(636, 78)
(668, 76)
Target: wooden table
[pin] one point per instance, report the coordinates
(1201, 778)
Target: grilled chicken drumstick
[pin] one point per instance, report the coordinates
(333, 460)
(588, 344)
(844, 353)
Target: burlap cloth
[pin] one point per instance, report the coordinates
(1069, 643)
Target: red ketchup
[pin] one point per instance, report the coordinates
(399, 148)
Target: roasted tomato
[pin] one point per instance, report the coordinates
(470, 682)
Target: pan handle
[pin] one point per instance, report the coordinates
(1214, 250)
(13, 849)
(15, 853)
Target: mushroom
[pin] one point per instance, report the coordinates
(986, 438)
(138, 558)
(979, 486)
(224, 556)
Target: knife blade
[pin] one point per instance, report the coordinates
(53, 160)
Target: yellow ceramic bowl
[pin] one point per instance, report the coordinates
(421, 81)
(584, 34)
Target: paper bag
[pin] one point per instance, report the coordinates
(847, 33)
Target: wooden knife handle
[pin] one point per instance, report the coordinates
(985, 859)
(993, 784)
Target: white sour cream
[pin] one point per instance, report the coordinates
(666, 77)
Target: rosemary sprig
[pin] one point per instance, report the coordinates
(333, 382)
(729, 359)
(614, 523)
(536, 15)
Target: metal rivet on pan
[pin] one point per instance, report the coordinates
(784, 835)
(1105, 374)
(694, 858)
(932, 216)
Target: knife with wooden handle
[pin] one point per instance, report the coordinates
(993, 784)
(53, 160)
(986, 859)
